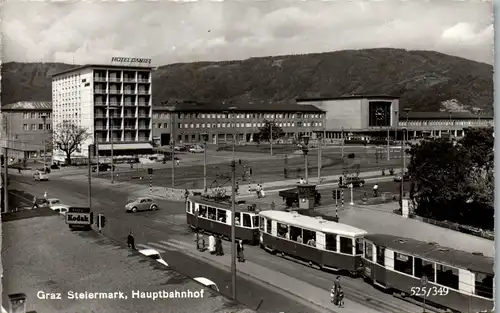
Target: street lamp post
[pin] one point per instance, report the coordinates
(318, 134)
(305, 150)
(110, 127)
(403, 154)
(44, 118)
(205, 139)
(352, 194)
(342, 141)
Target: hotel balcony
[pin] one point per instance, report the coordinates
(128, 104)
(129, 92)
(101, 91)
(144, 126)
(142, 115)
(129, 79)
(129, 139)
(143, 139)
(115, 79)
(129, 127)
(129, 115)
(100, 115)
(100, 103)
(115, 127)
(114, 92)
(100, 78)
(143, 104)
(143, 92)
(143, 80)
(101, 127)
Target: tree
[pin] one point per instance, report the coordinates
(454, 180)
(68, 138)
(265, 131)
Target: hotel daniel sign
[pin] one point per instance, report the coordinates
(131, 61)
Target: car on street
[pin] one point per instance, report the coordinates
(141, 204)
(406, 177)
(196, 149)
(40, 176)
(355, 181)
(42, 203)
(153, 254)
(180, 148)
(61, 209)
(103, 167)
(207, 283)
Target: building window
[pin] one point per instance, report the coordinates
(179, 125)
(191, 125)
(203, 125)
(299, 124)
(447, 276)
(25, 127)
(346, 245)
(26, 115)
(331, 242)
(484, 285)
(47, 126)
(186, 125)
(40, 126)
(424, 267)
(154, 125)
(403, 263)
(368, 251)
(197, 125)
(165, 125)
(33, 126)
(33, 115)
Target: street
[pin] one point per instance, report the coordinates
(167, 225)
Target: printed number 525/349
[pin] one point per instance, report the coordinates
(429, 291)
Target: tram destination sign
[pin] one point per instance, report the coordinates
(131, 61)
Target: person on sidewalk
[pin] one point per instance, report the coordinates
(35, 205)
(200, 244)
(336, 287)
(218, 247)
(302, 181)
(257, 190)
(239, 250)
(186, 195)
(211, 244)
(131, 240)
(375, 190)
(341, 298)
(177, 162)
(262, 192)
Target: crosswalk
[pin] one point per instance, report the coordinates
(163, 246)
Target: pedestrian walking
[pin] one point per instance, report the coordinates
(19, 169)
(35, 205)
(218, 244)
(258, 191)
(186, 195)
(177, 162)
(341, 298)
(211, 244)
(200, 244)
(239, 250)
(336, 287)
(131, 240)
(45, 194)
(262, 192)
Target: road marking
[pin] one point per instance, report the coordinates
(142, 246)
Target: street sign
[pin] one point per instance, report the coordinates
(78, 218)
(424, 281)
(351, 185)
(150, 171)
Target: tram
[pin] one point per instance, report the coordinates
(442, 277)
(215, 217)
(318, 242)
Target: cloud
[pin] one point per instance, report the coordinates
(170, 32)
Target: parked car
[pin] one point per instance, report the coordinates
(60, 208)
(153, 254)
(406, 177)
(54, 201)
(141, 204)
(196, 150)
(355, 181)
(54, 166)
(180, 148)
(42, 203)
(40, 176)
(103, 167)
(207, 283)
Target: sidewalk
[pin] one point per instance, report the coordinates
(302, 290)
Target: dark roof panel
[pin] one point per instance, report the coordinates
(104, 66)
(434, 252)
(28, 105)
(222, 204)
(192, 106)
(442, 115)
(347, 97)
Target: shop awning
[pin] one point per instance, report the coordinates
(126, 146)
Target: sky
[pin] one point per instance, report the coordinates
(173, 31)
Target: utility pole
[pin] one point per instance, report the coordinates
(342, 141)
(233, 229)
(172, 141)
(5, 180)
(319, 157)
(388, 144)
(205, 163)
(271, 137)
(44, 118)
(90, 178)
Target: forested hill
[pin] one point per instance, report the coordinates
(423, 79)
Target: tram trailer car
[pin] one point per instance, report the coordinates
(455, 279)
(215, 217)
(334, 246)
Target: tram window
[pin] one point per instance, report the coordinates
(423, 267)
(346, 245)
(188, 207)
(309, 237)
(381, 256)
(282, 230)
(221, 215)
(261, 223)
(247, 222)
(269, 226)
(403, 263)
(296, 234)
(368, 251)
(331, 242)
(447, 276)
(237, 219)
(484, 285)
(359, 246)
(212, 212)
(255, 220)
(203, 211)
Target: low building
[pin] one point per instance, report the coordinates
(42, 258)
(188, 120)
(368, 117)
(27, 128)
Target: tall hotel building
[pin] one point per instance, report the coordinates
(112, 102)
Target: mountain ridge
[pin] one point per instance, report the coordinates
(424, 80)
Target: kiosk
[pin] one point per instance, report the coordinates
(307, 195)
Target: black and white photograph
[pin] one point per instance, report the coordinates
(247, 156)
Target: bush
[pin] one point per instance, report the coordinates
(351, 156)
